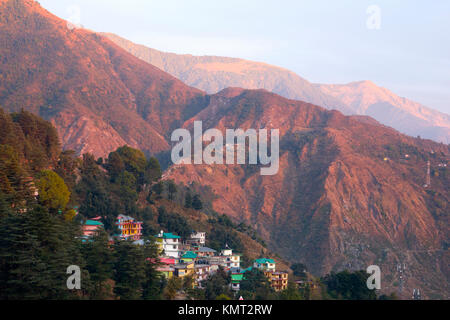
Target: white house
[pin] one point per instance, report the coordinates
(227, 251)
(198, 238)
(232, 260)
(170, 243)
(264, 264)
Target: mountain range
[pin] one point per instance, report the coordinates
(349, 193)
(212, 74)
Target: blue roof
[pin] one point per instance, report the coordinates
(93, 223)
(189, 255)
(264, 260)
(168, 235)
(206, 249)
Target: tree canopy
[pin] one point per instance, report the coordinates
(53, 192)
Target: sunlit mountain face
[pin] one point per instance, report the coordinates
(349, 191)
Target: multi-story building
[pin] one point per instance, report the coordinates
(278, 280)
(236, 279)
(227, 251)
(197, 238)
(166, 270)
(216, 262)
(169, 244)
(188, 257)
(90, 227)
(202, 271)
(264, 264)
(166, 267)
(205, 252)
(129, 228)
(231, 260)
(184, 269)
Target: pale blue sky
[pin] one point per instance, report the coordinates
(322, 41)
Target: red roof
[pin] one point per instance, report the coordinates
(167, 260)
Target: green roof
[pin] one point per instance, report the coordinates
(93, 223)
(189, 255)
(264, 260)
(237, 277)
(245, 270)
(168, 236)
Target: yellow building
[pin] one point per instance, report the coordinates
(184, 270)
(167, 271)
(278, 280)
(129, 228)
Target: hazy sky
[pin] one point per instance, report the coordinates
(406, 50)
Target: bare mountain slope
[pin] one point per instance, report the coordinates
(97, 95)
(336, 202)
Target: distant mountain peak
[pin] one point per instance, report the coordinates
(212, 74)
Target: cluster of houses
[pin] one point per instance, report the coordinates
(129, 228)
(191, 257)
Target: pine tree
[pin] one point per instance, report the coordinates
(99, 263)
(152, 170)
(171, 189)
(129, 273)
(20, 263)
(35, 250)
(188, 200)
(154, 282)
(197, 203)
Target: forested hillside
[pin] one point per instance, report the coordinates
(46, 195)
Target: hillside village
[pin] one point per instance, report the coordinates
(181, 258)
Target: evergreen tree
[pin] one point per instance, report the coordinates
(173, 286)
(256, 286)
(171, 189)
(197, 203)
(218, 284)
(299, 270)
(154, 282)
(158, 189)
(13, 176)
(188, 200)
(291, 293)
(35, 250)
(68, 164)
(92, 189)
(99, 263)
(153, 170)
(115, 165)
(130, 269)
(349, 285)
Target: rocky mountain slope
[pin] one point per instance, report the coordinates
(98, 96)
(213, 74)
(348, 193)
